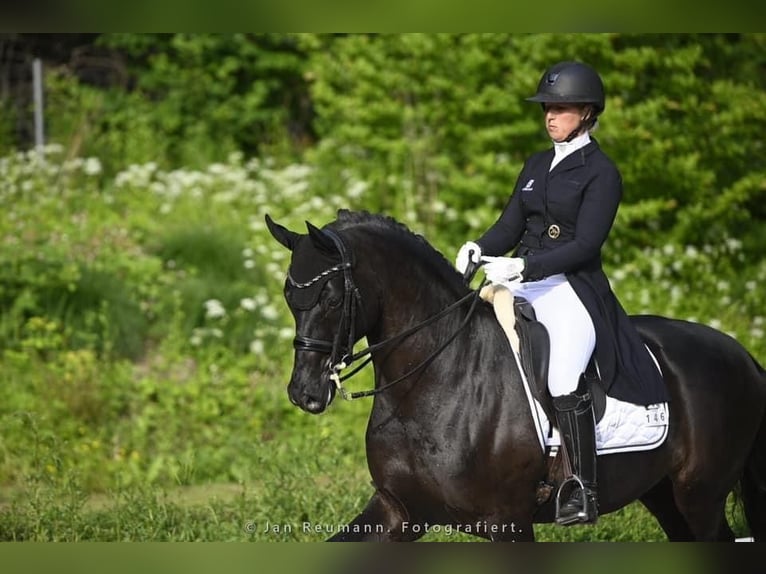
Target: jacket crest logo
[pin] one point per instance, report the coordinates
(529, 186)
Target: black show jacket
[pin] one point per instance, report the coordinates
(558, 221)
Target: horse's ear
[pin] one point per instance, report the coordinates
(282, 234)
(320, 239)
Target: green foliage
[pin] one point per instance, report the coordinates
(435, 126)
(424, 120)
(66, 255)
(113, 124)
(185, 99)
(438, 127)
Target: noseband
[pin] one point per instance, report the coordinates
(351, 300)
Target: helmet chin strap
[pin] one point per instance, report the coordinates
(573, 134)
(586, 121)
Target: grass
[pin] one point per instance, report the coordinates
(305, 473)
(237, 512)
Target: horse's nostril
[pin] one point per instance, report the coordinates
(313, 405)
(293, 396)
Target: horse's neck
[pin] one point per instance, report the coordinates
(468, 364)
(410, 301)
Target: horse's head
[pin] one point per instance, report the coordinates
(324, 301)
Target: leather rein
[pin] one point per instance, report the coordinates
(351, 301)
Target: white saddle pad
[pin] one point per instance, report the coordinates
(625, 427)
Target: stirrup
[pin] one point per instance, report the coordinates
(589, 510)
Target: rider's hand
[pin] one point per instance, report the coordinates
(470, 252)
(503, 269)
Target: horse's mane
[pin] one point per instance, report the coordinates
(390, 226)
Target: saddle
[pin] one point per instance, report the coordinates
(530, 339)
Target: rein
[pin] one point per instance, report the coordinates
(473, 296)
(352, 299)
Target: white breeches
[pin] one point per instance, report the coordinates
(570, 329)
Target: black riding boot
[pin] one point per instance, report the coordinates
(577, 428)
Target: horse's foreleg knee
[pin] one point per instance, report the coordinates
(381, 521)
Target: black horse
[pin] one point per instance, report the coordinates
(451, 440)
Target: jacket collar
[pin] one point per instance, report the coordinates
(574, 159)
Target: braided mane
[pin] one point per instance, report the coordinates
(417, 243)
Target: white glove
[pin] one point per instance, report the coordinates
(503, 269)
(470, 252)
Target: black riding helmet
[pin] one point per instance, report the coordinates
(571, 83)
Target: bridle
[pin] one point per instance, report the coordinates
(351, 300)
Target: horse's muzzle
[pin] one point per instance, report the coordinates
(314, 401)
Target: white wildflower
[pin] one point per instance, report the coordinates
(269, 312)
(286, 333)
(53, 148)
(733, 244)
(73, 164)
(356, 189)
(214, 309)
(248, 304)
(217, 169)
(92, 166)
(157, 187)
(256, 347)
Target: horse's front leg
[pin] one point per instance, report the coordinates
(380, 521)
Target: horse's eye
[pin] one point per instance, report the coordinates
(334, 300)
